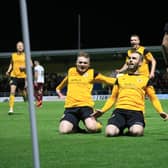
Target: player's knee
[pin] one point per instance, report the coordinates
(136, 130)
(65, 127)
(111, 130)
(92, 125)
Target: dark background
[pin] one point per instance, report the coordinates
(56, 28)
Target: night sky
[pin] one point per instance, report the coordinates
(53, 28)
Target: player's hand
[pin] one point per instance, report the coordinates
(164, 115)
(97, 113)
(151, 76)
(61, 96)
(7, 73)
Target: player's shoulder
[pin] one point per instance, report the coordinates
(144, 77)
(14, 53)
(72, 70)
(119, 75)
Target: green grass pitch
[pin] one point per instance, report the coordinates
(79, 150)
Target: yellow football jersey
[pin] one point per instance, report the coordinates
(129, 93)
(79, 87)
(18, 60)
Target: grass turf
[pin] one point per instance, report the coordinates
(78, 150)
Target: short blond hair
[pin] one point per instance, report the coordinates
(83, 54)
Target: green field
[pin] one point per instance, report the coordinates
(79, 150)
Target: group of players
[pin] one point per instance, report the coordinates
(130, 87)
(132, 84)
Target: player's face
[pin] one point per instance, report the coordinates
(82, 64)
(134, 40)
(20, 47)
(133, 62)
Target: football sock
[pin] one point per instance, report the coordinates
(11, 100)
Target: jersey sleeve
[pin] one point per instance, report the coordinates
(98, 77)
(154, 99)
(62, 84)
(148, 55)
(111, 100)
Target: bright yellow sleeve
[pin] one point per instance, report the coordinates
(149, 56)
(154, 99)
(62, 84)
(111, 100)
(105, 79)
